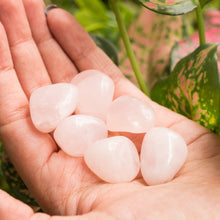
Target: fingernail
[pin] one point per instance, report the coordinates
(48, 8)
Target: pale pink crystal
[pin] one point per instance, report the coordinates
(76, 132)
(130, 114)
(113, 159)
(96, 92)
(162, 155)
(50, 104)
(85, 74)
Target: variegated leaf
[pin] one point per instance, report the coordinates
(170, 7)
(193, 88)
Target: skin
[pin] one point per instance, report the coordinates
(31, 57)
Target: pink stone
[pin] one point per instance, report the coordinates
(113, 159)
(85, 74)
(162, 155)
(76, 132)
(130, 114)
(96, 92)
(50, 104)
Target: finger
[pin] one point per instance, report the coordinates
(28, 149)
(13, 101)
(58, 64)
(78, 44)
(13, 209)
(26, 57)
(86, 55)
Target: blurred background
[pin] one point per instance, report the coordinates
(96, 16)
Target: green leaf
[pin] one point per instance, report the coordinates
(193, 88)
(107, 47)
(204, 2)
(174, 7)
(16, 185)
(95, 6)
(95, 17)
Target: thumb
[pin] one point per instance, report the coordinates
(13, 209)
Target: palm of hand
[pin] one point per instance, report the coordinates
(64, 185)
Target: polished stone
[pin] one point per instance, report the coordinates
(96, 92)
(75, 133)
(129, 114)
(50, 104)
(113, 159)
(85, 74)
(162, 155)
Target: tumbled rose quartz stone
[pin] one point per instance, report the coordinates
(85, 74)
(113, 159)
(96, 92)
(130, 114)
(162, 155)
(50, 104)
(75, 133)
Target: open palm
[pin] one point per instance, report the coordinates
(30, 58)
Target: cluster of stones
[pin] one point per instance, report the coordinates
(81, 113)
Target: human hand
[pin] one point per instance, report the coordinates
(61, 184)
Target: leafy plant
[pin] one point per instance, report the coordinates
(193, 87)
(194, 93)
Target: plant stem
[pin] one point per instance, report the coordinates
(129, 50)
(200, 19)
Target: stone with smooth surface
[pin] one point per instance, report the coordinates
(50, 104)
(113, 159)
(162, 155)
(96, 92)
(76, 132)
(130, 114)
(85, 74)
